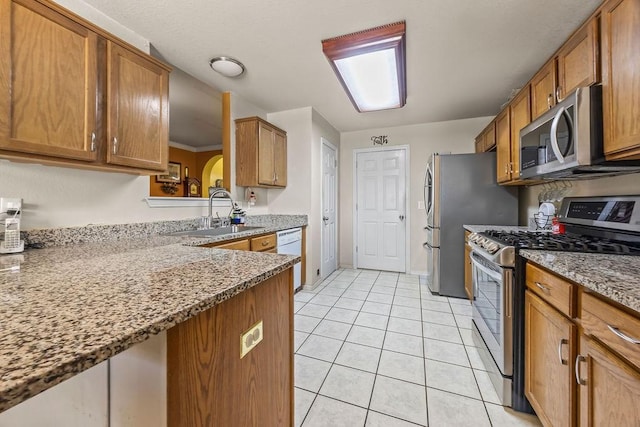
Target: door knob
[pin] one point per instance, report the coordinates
(401, 217)
(325, 219)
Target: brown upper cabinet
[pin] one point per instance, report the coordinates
(578, 64)
(71, 94)
(261, 154)
(503, 146)
(520, 116)
(543, 88)
(620, 23)
(486, 141)
(575, 65)
(137, 129)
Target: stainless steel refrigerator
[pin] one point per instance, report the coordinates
(460, 189)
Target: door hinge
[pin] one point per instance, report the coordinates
(356, 206)
(335, 163)
(356, 248)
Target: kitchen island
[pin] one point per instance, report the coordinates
(69, 308)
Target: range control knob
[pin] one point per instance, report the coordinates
(492, 247)
(473, 237)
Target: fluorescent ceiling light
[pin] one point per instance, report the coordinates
(371, 66)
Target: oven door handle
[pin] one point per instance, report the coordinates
(493, 274)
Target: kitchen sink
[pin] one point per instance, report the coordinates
(216, 231)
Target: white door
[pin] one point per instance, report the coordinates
(380, 210)
(329, 202)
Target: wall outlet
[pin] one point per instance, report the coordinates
(8, 205)
(250, 339)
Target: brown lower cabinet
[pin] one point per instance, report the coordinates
(584, 370)
(550, 341)
(609, 389)
(209, 384)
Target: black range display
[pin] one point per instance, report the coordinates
(602, 211)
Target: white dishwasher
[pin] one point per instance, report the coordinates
(290, 243)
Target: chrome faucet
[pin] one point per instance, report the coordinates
(211, 196)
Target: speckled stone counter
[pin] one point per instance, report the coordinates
(616, 277)
(71, 307)
(101, 233)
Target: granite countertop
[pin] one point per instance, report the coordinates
(616, 277)
(71, 307)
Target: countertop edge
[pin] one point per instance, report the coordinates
(65, 369)
(603, 280)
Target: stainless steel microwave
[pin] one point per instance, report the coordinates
(567, 141)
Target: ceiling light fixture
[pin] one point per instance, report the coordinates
(227, 66)
(371, 66)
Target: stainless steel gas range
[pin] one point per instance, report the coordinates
(607, 225)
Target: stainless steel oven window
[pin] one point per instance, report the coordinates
(491, 309)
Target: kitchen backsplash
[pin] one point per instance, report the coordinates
(617, 185)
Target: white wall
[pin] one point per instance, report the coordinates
(303, 194)
(456, 136)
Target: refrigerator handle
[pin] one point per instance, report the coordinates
(428, 185)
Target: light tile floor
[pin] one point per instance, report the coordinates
(378, 349)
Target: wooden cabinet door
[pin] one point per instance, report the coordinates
(609, 389)
(138, 110)
(480, 143)
(550, 342)
(577, 61)
(468, 279)
(503, 146)
(520, 111)
(280, 158)
(266, 171)
(620, 23)
(543, 89)
(209, 384)
(48, 75)
(490, 137)
(240, 245)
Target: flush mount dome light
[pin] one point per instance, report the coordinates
(227, 66)
(371, 66)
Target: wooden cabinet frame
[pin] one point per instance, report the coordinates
(261, 154)
(74, 114)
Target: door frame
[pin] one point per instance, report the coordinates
(328, 143)
(407, 189)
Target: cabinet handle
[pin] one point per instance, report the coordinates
(506, 169)
(276, 177)
(265, 243)
(627, 338)
(543, 288)
(93, 141)
(115, 145)
(558, 92)
(560, 344)
(550, 101)
(580, 358)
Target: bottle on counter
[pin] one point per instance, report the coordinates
(556, 226)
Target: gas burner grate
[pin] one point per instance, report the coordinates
(562, 242)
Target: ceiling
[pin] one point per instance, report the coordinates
(464, 57)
